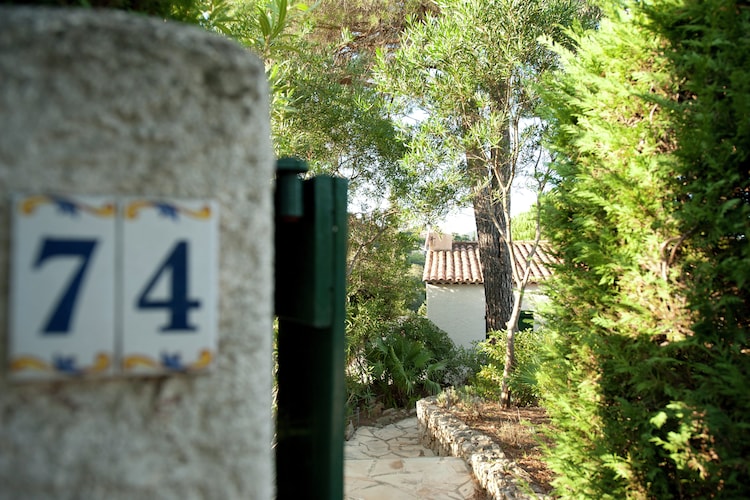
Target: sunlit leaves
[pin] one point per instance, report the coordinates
(471, 69)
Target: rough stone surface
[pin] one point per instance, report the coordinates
(380, 418)
(446, 435)
(390, 463)
(99, 102)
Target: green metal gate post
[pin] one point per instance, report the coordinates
(310, 297)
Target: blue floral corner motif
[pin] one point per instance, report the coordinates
(66, 364)
(66, 206)
(172, 361)
(167, 210)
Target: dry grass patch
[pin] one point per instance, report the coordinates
(518, 432)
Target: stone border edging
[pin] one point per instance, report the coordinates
(446, 435)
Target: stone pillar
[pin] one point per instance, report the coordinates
(96, 102)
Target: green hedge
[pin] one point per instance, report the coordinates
(646, 378)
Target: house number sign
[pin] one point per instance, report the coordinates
(106, 286)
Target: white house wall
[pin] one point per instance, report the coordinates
(533, 300)
(458, 310)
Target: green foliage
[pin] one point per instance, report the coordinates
(275, 31)
(465, 397)
(403, 360)
(417, 258)
(380, 291)
(463, 366)
(646, 370)
(358, 27)
(710, 57)
(399, 360)
(523, 226)
(339, 124)
(323, 106)
(523, 384)
(403, 369)
(379, 284)
(467, 71)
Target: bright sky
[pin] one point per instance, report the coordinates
(462, 221)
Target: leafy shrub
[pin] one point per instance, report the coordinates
(409, 360)
(523, 384)
(406, 359)
(425, 331)
(463, 365)
(403, 370)
(459, 363)
(360, 395)
(380, 287)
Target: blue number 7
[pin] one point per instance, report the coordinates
(59, 321)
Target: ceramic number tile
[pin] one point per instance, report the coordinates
(62, 290)
(169, 283)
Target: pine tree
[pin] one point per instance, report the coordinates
(469, 69)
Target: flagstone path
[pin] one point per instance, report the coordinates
(389, 463)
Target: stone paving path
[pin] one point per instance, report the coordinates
(389, 463)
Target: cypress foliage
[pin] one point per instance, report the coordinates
(648, 358)
(709, 53)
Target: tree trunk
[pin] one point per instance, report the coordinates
(512, 326)
(496, 264)
(510, 351)
(510, 360)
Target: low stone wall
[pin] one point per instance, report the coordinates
(446, 435)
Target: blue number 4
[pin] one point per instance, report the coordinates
(178, 304)
(59, 321)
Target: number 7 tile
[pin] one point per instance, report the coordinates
(62, 293)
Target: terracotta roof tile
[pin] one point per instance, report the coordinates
(461, 264)
(458, 265)
(540, 264)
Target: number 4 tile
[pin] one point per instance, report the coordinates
(169, 274)
(62, 298)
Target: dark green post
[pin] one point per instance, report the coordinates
(311, 236)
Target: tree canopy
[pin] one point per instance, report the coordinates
(469, 71)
